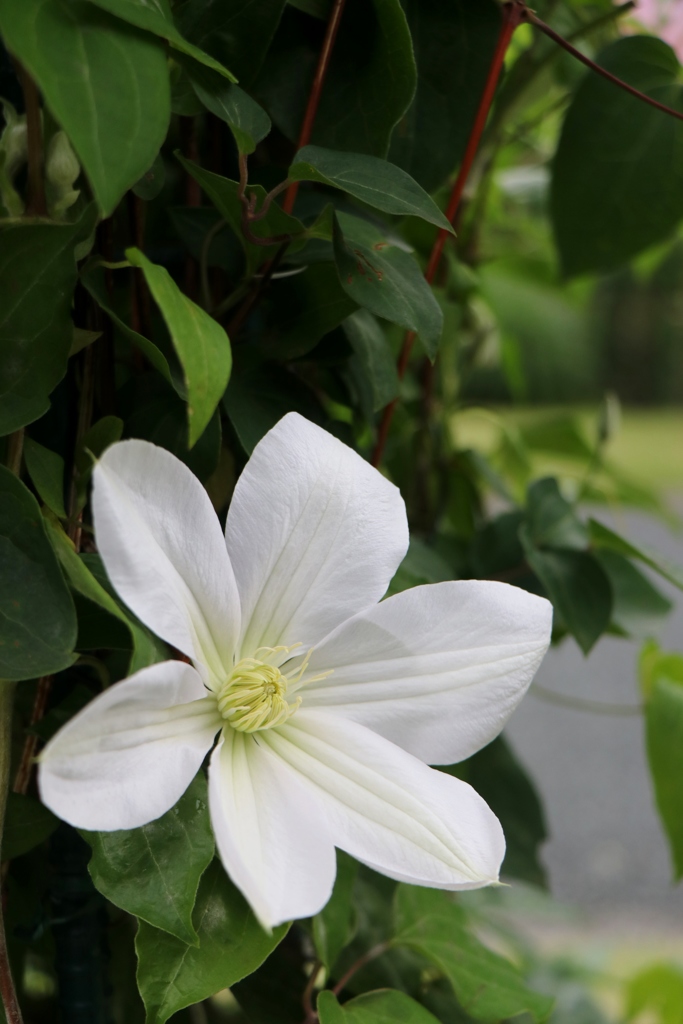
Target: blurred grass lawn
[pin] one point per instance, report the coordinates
(648, 445)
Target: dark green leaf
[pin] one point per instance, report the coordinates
(617, 184)
(375, 356)
(27, 823)
(376, 182)
(83, 572)
(497, 775)
(303, 309)
(37, 279)
(154, 871)
(664, 731)
(158, 19)
(317, 8)
(46, 470)
(258, 398)
(202, 345)
(357, 111)
(603, 538)
(334, 926)
(105, 82)
(488, 986)
(238, 34)
(385, 1006)
(224, 194)
(37, 617)
(578, 587)
(172, 975)
(388, 281)
(453, 42)
(639, 609)
(247, 121)
(92, 277)
(552, 521)
(152, 181)
(422, 564)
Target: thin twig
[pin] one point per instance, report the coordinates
(315, 93)
(371, 954)
(36, 205)
(513, 14)
(566, 45)
(307, 996)
(23, 774)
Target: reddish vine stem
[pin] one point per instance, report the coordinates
(566, 45)
(366, 958)
(513, 14)
(25, 769)
(315, 93)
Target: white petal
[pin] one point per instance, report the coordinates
(436, 669)
(314, 533)
(129, 756)
(163, 550)
(387, 808)
(271, 834)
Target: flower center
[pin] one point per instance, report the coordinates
(254, 696)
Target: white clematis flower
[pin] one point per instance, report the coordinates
(327, 705)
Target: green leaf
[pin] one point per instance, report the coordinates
(202, 345)
(334, 926)
(224, 194)
(152, 181)
(237, 34)
(105, 82)
(617, 176)
(453, 42)
(578, 587)
(500, 779)
(92, 278)
(386, 1006)
(656, 994)
(602, 537)
(88, 578)
(422, 564)
(172, 975)
(37, 617)
(27, 823)
(376, 182)
(46, 470)
(303, 309)
(37, 279)
(664, 733)
(387, 281)
(639, 609)
(488, 986)
(247, 121)
(158, 19)
(375, 357)
(154, 871)
(358, 111)
(552, 521)
(259, 397)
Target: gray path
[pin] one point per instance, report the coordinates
(607, 851)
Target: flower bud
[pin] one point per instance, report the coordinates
(61, 168)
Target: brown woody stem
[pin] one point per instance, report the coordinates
(315, 93)
(36, 205)
(513, 14)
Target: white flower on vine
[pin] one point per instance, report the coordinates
(321, 704)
